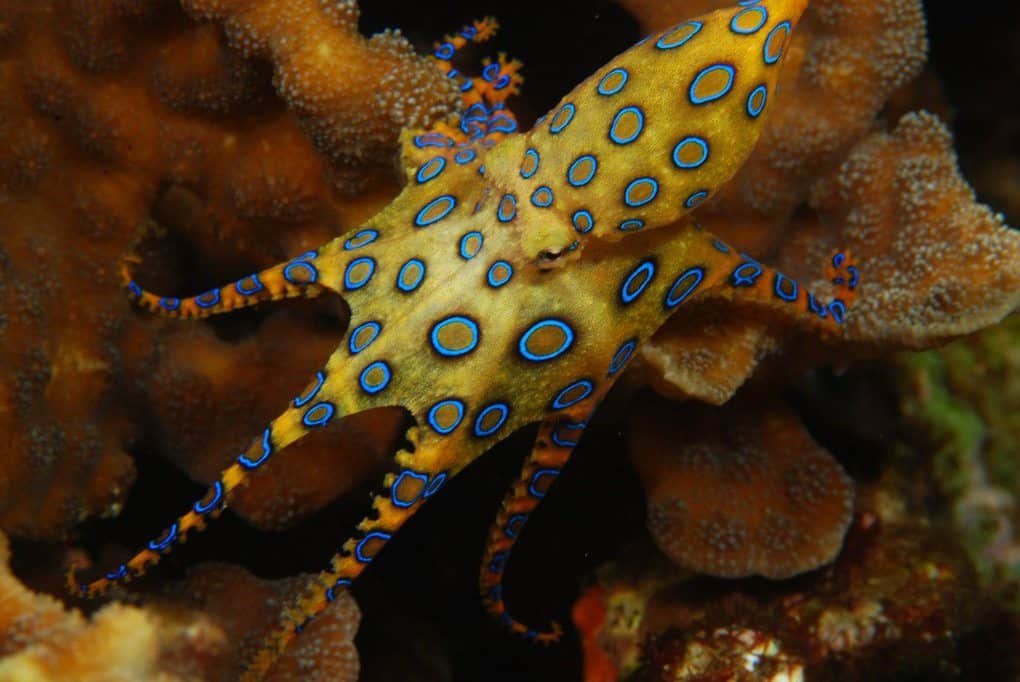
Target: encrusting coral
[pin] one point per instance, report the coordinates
(745, 492)
(200, 632)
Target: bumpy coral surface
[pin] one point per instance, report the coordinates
(201, 632)
(745, 492)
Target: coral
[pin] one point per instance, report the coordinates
(43, 641)
(204, 630)
(896, 604)
(330, 75)
(745, 492)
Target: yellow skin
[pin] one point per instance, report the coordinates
(474, 358)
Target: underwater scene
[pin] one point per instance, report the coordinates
(639, 340)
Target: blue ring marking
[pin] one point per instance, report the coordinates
(432, 140)
(447, 202)
(838, 259)
(754, 108)
(695, 140)
(202, 302)
(267, 450)
(351, 284)
(135, 289)
(504, 412)
(616, 120)
(631, 225)
(582, 181)
(407, 473)
(411, 263)
(748, 279)
(532, 486)
(641, 276)
(720, 246)
(514, 524)
(430, 169)
(118, 574)
(360, 548)
(313, 274)
(341, 582)
(168, 538)
(301, 401)
(537, 160)
(838, 310)
(730, 71)
(695, 199)
(217, 496)
(684, 286)
(490, 71)
(767, 54)
(494, 279)
(606, 90)
(170, 303)
(568, 340)
(542, 197)
(815, 307)
(622, 356)
(372, 389)
(466, 251)
(354, 346)
(663, 43)
(568, 110)
(507, 209)
(855, 277)
(434, 485)
(580, 215)
(790, 294)
(256, 285)
(445, 52)
(455, 352)
(312, 420)
(562, 442)
(496, 565)
(637, 184)
(501, 123)
(563, 399)
(361, 238)
(763, 16)
(434, 410)
(308, 255)
(465, 156)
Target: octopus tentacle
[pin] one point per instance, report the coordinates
(747, 279)
(424, 468)
(311, 409)
(294, 278)
(553, 446)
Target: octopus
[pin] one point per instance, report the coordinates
(514, 278)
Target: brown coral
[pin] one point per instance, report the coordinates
(746, 491)
(205, 634)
